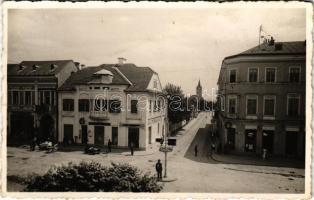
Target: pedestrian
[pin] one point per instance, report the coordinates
(132, 148)
(33, 143)
(159, 170)
(109, 145)
(195, 150)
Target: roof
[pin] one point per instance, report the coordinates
(43, 68)
(85, 75)
(122, 74)
(288, 48)
(139, 76)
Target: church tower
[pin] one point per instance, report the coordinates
(199, 89)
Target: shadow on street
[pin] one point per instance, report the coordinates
(202, 140)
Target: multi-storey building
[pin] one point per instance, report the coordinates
(120, 102)
(32, 98)
(262, 100)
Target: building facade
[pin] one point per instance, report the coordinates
(120, 102)
(32, 98)
(262, 100)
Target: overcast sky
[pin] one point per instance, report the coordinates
(182, 45)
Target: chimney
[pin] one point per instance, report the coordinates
(121, 60)
(53, 67)
(35, 67)
(77, 64)
(21, 67)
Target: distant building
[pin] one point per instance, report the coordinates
(199, 90)
(264, 100)
(32, 98)
(119, 102)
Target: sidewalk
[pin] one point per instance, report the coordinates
(255, 160)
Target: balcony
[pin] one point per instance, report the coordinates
(99, 115)
(134, 116)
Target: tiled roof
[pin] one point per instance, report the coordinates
(43, 68)
(290, 48)
(138, 76)
(85, 75)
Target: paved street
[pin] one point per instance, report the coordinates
(192, 174)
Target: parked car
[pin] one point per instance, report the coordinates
(92, 150)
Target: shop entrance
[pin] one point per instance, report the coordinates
(250, 140)
(99, 138)
(268, 140)
(291, 143)
(134, 134)
(231, 138)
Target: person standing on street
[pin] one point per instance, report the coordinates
(109, 145)
(195, 150)
(132, 148)
(159, 170)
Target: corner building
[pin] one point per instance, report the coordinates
(120, 102)
(262, 100)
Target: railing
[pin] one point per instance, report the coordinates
(136, 116)
(99, 114)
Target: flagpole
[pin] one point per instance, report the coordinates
(259, 36)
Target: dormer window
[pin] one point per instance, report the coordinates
(53, 67)
(35, 67)
(21, 68)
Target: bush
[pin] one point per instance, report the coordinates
(94, 177)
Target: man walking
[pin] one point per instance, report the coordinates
(132, 148)
(195, 150)
(159, 170)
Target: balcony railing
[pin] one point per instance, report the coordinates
(99, 115)
(136, 116)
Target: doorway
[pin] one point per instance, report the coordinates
(291, 143)
(250, 140)
(68, 134)
(84, 134)
(231, 138)
(134, 137)
(99, 138)
(268, 140)
(114, 136)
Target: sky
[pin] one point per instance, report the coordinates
(182, 45)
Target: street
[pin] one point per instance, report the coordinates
(191, 174)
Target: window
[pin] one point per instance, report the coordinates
(47, 97)
(155, 106)
(232, 105)
(269, 105)
(270, 75)
(294, 74)
(15, 97)
(28, 98)
(83, 105)
(293, 105)
(21, 94)
(251, 104)
(133, 106)
(253, 73)
(150, 105)
(158, 105)
(232, 76)
(155, 84)
(100, 105)
(68, 104)
(114, 106)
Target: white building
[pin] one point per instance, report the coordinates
(120, 102)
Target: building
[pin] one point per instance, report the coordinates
(262, 100)
(120, 102)
(32, 98)
(199, 90)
